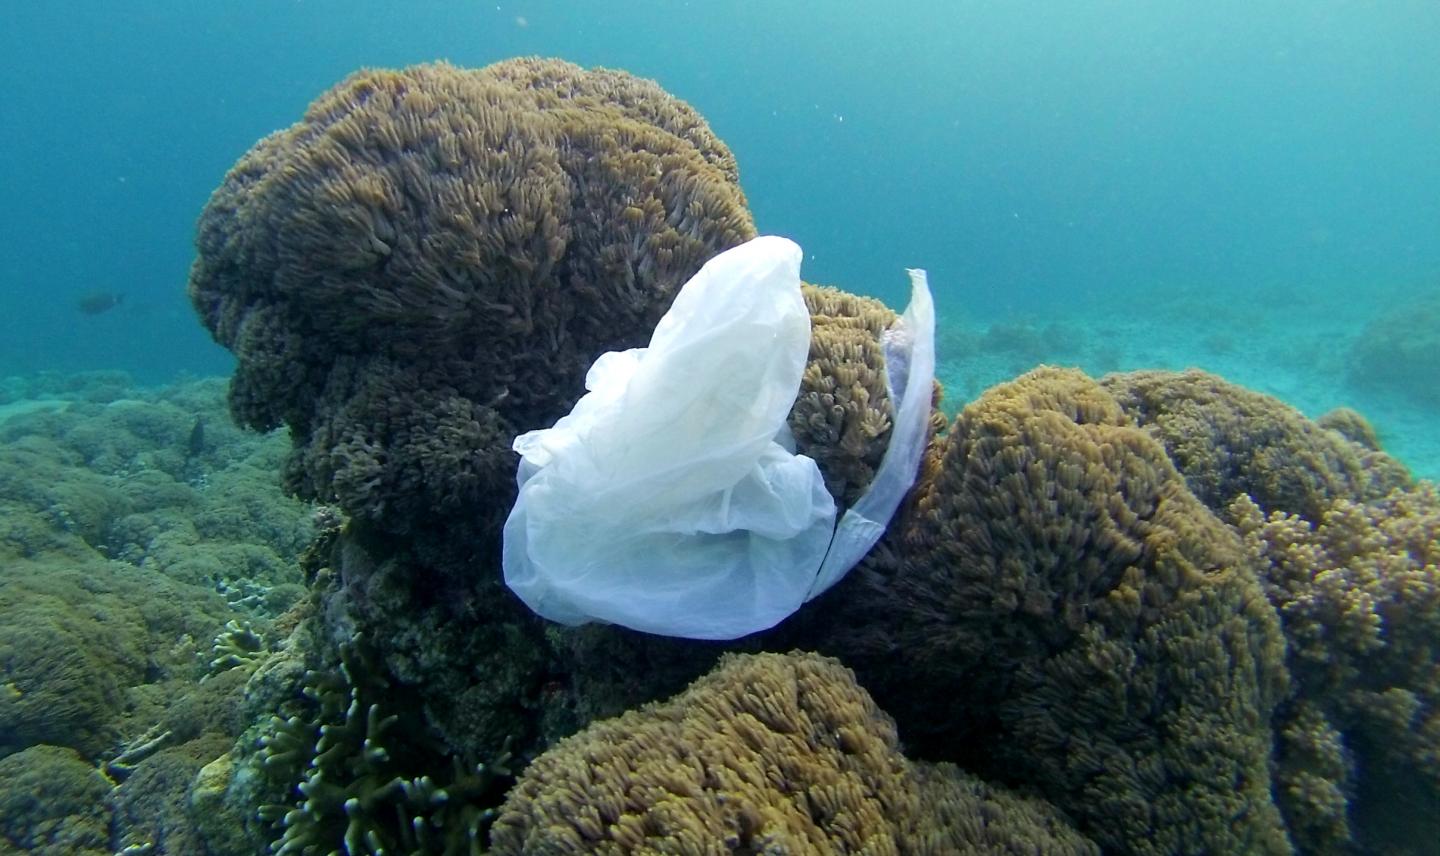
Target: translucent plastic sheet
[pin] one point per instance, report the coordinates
(670, 500)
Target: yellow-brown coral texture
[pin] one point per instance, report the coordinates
(1359, 594)
(1057, 608)
(1228, 440)
(769, 753)
(425, 265)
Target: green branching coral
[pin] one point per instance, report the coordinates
(369, 780)
(768, 753)
(1358, 591)
(238, 646)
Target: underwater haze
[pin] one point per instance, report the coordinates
(1031, 156)
(1158, 573)
(1237, 186)
(1028, 154)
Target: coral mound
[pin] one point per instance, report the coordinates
(1358, 591)
(426, 265)
(1056, 608)
(1399, 353)
(428, 262)
(51, 803)
(767, 754)
(1228, 440)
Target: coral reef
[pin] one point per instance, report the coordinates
(121, 476)
(428, 262)
(768, 753)
(52, 802)
(336, 247)
(841, 417)
(1399, 353)
(83, 640)
(152, 811)
(94, 653)
(1228, 440)
(369, 776)
(1358, 591)
(1028, 344)
(116, 546)
(1057, 609)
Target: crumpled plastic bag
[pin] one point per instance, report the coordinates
(670, 499)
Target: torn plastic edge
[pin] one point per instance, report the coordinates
(863, 524)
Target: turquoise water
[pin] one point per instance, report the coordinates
(1248, 188)
(1040, 160)
(1090, 163)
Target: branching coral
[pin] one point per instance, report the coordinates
(427, 263)
(1359, 594)
(767, 754)
(238, 646)
(370, 780)
(1228, 440)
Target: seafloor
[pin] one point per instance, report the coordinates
(1375, 349)
(151, 561)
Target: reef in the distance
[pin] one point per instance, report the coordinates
(1149, 613)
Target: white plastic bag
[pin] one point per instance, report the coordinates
(663, 501)
(670, 500)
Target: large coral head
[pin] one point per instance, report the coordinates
(426, 263)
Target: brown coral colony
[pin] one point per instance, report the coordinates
(1151, 613)
(468, 240)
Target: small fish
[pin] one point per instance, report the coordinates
(96, 302)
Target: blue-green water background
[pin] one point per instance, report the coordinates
(1034, 156)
